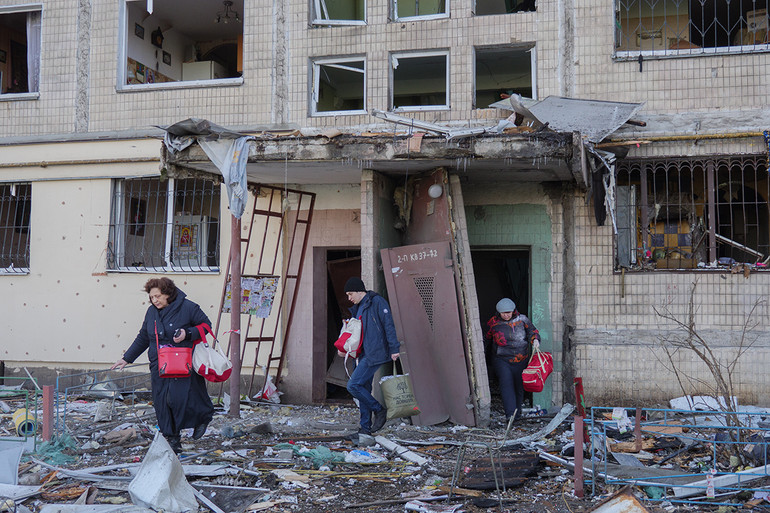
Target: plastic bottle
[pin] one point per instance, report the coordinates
(710, 483)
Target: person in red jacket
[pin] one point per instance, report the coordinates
(513, 336)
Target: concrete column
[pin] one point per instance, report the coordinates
(83, 59)
(370, 240)
(569, 295)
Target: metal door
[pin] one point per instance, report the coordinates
(423, 298)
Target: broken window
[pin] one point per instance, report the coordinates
(339, 86)
(673, 27)
(422, 9)
(166, 46)
(20, 27)
(164, 225)
(689, 213)
(502, 71)
(487, 7)
(338, 12)
(15, 205)
(420, 81)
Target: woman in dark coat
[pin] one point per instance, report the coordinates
(513, 335)
(179, 402)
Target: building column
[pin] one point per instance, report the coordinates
(370, 239)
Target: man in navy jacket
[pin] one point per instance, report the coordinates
(380, 345)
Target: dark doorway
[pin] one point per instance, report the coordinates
(501, 273)
(334, 267)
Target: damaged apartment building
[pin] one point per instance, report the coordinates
(603, 163)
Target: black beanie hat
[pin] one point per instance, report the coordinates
(354, 285)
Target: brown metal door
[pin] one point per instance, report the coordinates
(423, 297)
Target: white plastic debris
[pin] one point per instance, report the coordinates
(160, 482)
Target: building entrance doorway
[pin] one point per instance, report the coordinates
(499, 273)
(332, 267)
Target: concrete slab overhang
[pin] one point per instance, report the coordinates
(523, 157)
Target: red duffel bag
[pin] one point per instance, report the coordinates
(537, 371)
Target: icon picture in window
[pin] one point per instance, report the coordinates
(166, 58)
(185, 236)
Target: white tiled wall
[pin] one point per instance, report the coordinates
(619, 334)
(667, 85)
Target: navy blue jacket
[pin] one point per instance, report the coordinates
(380, 340)
(179, 402)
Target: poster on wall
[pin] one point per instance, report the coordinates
(257, 295)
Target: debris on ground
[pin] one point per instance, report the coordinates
(279, 457)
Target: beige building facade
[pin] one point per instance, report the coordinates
(92, 206)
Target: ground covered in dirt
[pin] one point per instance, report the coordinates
(278, 457)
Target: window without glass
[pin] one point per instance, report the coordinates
(682, 213)
(339, 86)
(486, 7)
(690, 27)
(15, 205)
(20, 30)
(170, 225)
(338, 12)
(502, 71)
(424, 9)
(420, 81)
(182, 40)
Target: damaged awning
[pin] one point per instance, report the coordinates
(594, 119)
(312, 156)
(227, 150)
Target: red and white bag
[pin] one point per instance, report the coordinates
(209, 361)
(537, 371)
(351, 339)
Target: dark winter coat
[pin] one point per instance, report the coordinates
(379, 332)
(179, 402)
(512, 338)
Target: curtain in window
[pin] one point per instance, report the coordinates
(33, 50)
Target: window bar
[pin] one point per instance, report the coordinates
(131, 251)
(9, 228)
(711, 211)
(169, 232)
(118, 225)
(645, 224)
(24, 194)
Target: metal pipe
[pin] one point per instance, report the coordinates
(80, 162)
(695, 137)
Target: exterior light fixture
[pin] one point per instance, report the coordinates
(435, 191)
(228, 14)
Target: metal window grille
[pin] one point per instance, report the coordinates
(15, 205)
(690, 26)
(682, 213)
(164, 225)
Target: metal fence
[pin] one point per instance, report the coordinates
(725, 452)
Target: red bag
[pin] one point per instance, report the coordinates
(537, 371)
(351, 341)
(351, 338)
(173, 361)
